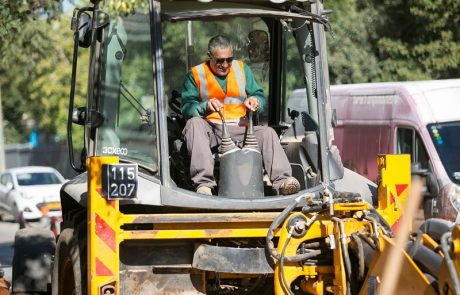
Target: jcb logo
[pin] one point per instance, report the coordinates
(110, 150)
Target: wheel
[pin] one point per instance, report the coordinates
(69, 271)
(32, 260)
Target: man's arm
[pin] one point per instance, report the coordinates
(253, 89)
(191, 104)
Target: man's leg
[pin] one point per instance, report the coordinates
(200, 138)
(276, 163)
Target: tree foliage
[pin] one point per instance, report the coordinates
(418, 39)
(36, 59)
(351, 56)
(24, 42)
(394, 40)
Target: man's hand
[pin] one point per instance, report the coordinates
(251, 103)
(213, 105)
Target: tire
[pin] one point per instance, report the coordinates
(32, 261)
(436, 227)
(69, 271)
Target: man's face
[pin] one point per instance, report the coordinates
(220, 61)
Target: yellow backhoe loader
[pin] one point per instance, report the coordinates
(132, 223)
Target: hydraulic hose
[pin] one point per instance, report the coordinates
(281, 260)
(383, 222)
(343, 245)
(271, 233)
(360, 254)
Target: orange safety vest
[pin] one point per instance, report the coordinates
(233, 110)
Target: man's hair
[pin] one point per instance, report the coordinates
(219, 41)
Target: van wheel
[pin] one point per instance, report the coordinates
(69, 271)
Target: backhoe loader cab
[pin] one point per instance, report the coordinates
(138, 65)
(132, 223)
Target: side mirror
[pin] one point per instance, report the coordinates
(336, 168)
(9, 186)
(258, 46)
(431, 189)
(84, 30)
(432, 185)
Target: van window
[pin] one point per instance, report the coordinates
(408, 142)
(447, 142)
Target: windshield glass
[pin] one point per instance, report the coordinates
(185, 45)
(38, 178)
(127, 99)
(447, 142)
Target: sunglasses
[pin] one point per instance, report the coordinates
(222, 60)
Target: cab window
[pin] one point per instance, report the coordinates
(127, 98)
(408, 141)
(185, 44)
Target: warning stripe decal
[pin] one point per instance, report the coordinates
(105, 233)
(392, 198)
(101, 269)
(111, 202)
(400, 188)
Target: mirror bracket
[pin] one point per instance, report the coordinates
(101, 19)
(79, 115)
(94, 119)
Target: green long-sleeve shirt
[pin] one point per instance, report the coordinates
(193, 106)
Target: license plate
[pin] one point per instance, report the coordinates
(54, 206)
(119, 181)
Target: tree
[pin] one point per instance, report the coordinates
(415, 39)
(24, 41)
(351, 56)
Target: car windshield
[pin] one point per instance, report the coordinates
(37, 178)
(447, 143)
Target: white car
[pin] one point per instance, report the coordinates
(32, 191)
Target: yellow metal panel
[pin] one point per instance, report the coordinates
(195, 234)
(410, 281)
(394, 179)
(103, 250)
(350, 206)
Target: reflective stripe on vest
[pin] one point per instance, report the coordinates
(233, 110)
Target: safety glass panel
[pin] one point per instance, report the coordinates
(127, 99)
(185, 44)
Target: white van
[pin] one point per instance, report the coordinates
(418, 118)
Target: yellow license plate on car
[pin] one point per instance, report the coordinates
(53, 206)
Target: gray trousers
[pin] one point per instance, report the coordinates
(202, 136)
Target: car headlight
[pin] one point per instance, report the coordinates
(25, 195)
